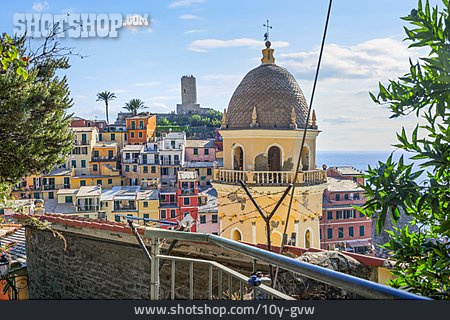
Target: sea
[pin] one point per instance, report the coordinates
(357, 159)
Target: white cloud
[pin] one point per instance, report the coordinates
(40, 6)
(160, 105)
(373, 59)
(184, 3)
(188, 17)
(146, 84)
(207, 44)
(194, 31)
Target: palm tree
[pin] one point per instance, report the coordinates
(106, 96)
(134, 105)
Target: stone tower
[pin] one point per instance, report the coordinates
(188, 90)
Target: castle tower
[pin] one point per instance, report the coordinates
(188, 90)
(265, 122)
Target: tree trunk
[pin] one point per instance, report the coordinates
(107, 117)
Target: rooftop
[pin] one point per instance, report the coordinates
(133, 148)
(336, 185)
(103, 144)
(83, 129)
(198, 164)
(200, 144)
(91, 191)
(187, 175)
(211, 204)
(59, 172)
(120, 193)
(347, 170)
(148, 195)
(13, 235)
(67, 191)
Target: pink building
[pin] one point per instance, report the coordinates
(341, 225)
(200, 150)
(208, 218)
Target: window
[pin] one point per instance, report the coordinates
(146, 216)
(163, 214)
(351, 233)
(109, 181)
(84, 138)
(186, 201)
(192, 185)
(195, 151)
(127, 168)
(202, 219)
(140, 134)
(145, 204)
(145, 169)
(153, 169)
(94, 167)
(100, 137)
(51, 195)
(117, 218)
(355, 179)
(361, 215)
(74, 163)
(209, 171)
(330, 233)
(134, 168)
(330, 215)
(96, 153)
(214, 218)
(361, 231)
(68, 199)
(82, 183)
(141, 124)
(173, 213)
(110, 154)
(172, 144)
(338, 197)
(346, 196)
(340, 232)
(83, 163)
(172, 198)
(206, 151)
(99, 181)
(133, 124)
(113, 136)
(132, 135)
(320, 234)
(184, 185)
(338, 214)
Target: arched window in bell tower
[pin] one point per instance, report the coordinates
(238, 158)
(274, 159)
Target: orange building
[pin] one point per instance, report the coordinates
(140, 129)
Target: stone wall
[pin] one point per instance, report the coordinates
(89, 269)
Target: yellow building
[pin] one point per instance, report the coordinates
(106, 182)
(104, 158)
(130, 201)
(262, 132)
(115, 133)
(81, 154)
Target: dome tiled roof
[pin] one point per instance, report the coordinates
(273, 91)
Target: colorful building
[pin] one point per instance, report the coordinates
(262, 131)
(140, 129)
(204, 171)
(130, 201)
(81, 154)
(208, 218)
(200, 150)
(114, 133)
(171, 156)
(343, 227)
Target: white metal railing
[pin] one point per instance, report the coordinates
(310, 177)
(237, 292)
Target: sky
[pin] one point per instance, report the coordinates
(220, 41)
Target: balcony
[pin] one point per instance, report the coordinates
(87, 208)
(166, 162)
(134, 160)
(124, 208)
(81, 143)
(312, 177)
(104, 159)
(187, 192)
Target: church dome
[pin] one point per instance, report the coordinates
(268, 97)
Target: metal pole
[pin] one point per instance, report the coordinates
(172, 281)
(304, 136)
(210, 282)
(154, 285)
